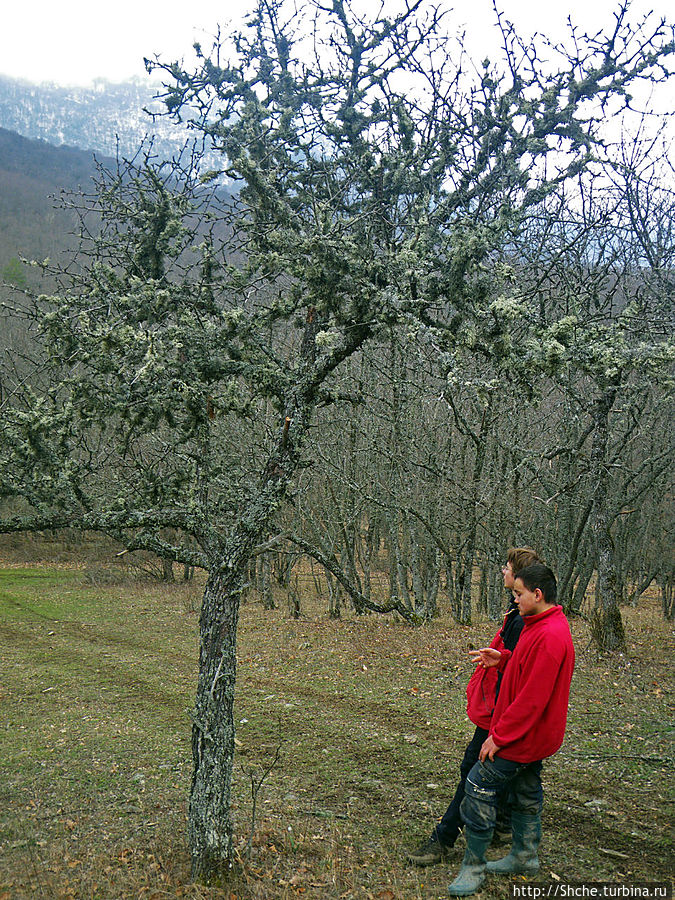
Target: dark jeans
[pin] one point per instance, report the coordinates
(450, 825)
(487, 780)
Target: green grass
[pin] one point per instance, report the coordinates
(96, 684)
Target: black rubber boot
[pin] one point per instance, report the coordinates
(523, 859)
(472, 874)
(429, 853)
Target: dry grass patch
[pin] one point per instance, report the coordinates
(367, 715)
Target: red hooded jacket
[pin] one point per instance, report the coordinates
(528, 723)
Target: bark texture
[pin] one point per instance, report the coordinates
(607, 626)
(210, 823)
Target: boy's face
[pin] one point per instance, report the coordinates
(529, 602)
(507, 572)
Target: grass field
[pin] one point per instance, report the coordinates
(97, 676)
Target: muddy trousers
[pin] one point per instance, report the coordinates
(448, 829)
(489, 780)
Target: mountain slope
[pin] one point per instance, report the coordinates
(32, 176)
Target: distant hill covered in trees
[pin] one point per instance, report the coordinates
(32, 175)
(49, 135)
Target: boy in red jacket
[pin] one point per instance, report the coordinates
(481, 692)
(528, 725)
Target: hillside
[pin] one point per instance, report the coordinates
(32, 176)
(34, 225)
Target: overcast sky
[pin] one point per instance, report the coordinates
(75, 41)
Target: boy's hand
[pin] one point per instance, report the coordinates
(486, 657)
(488, 750)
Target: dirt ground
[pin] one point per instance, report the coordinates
(366, 714)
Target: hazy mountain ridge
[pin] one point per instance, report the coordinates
(34, 175)
(100, 118)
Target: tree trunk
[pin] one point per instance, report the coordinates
(416, 573)
(432, 582)
(667, 596)
(294, 599)
(464, 583)
(210, 823)
(367, 546)
(209, 814)
(334, 599)
(398, 572)
(167, 571)
(644, 580)
(495, 596)
(483, 589)
(265, 581)
(450, 587)
(579, 596)
(606, 627)
(572, 553)
(465, 579)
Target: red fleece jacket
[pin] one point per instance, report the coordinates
(529, 720)
(482, 689)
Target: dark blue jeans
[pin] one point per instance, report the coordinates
(487, 780)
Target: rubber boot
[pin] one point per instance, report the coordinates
(522, 860)
(472, 874)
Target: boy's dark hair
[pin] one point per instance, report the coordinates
(540, 576)
(519, 557)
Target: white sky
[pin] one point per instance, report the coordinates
(75, 41)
